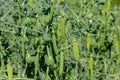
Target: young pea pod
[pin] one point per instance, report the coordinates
(9, 71)
(91, 65)
(61, 28)
(105, 65)
(75, 49)
(58, 2)
(118, 60)
(108, 5)
(63, 25)
(88, 42)
(112, 69)
(31, 3)
(36, 64)
(51, 10)
(23, 33)
(103, 15)
(54, 42)
(116, 44)
(61, 63)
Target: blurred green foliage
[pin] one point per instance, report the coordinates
(59, 39)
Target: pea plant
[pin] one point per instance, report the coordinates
(59, 40)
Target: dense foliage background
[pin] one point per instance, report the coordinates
(59, 40)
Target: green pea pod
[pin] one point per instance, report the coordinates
(63, 26)
(54, 42)
(88, 41)
(75, 49)
(61, 63)
(116, 44)
(91, 65)
(58, 2)
(108, 5)
(31, 3)
(51, 10)
(105, 65)
(9, 71)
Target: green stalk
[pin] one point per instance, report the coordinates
(23, 34)
(47, 77)
(23, 44)
(2, 60)
(37, 62)
(19, 12)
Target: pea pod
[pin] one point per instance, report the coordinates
(116, 44)
(51, 10)
(63, 26)
(88, 42)
(9, 71)
(108, 5)
(58, 2)
(105, 65)
(91, 65)
(31, 3)
(61, 63)
(54, 42)
(75, 49)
